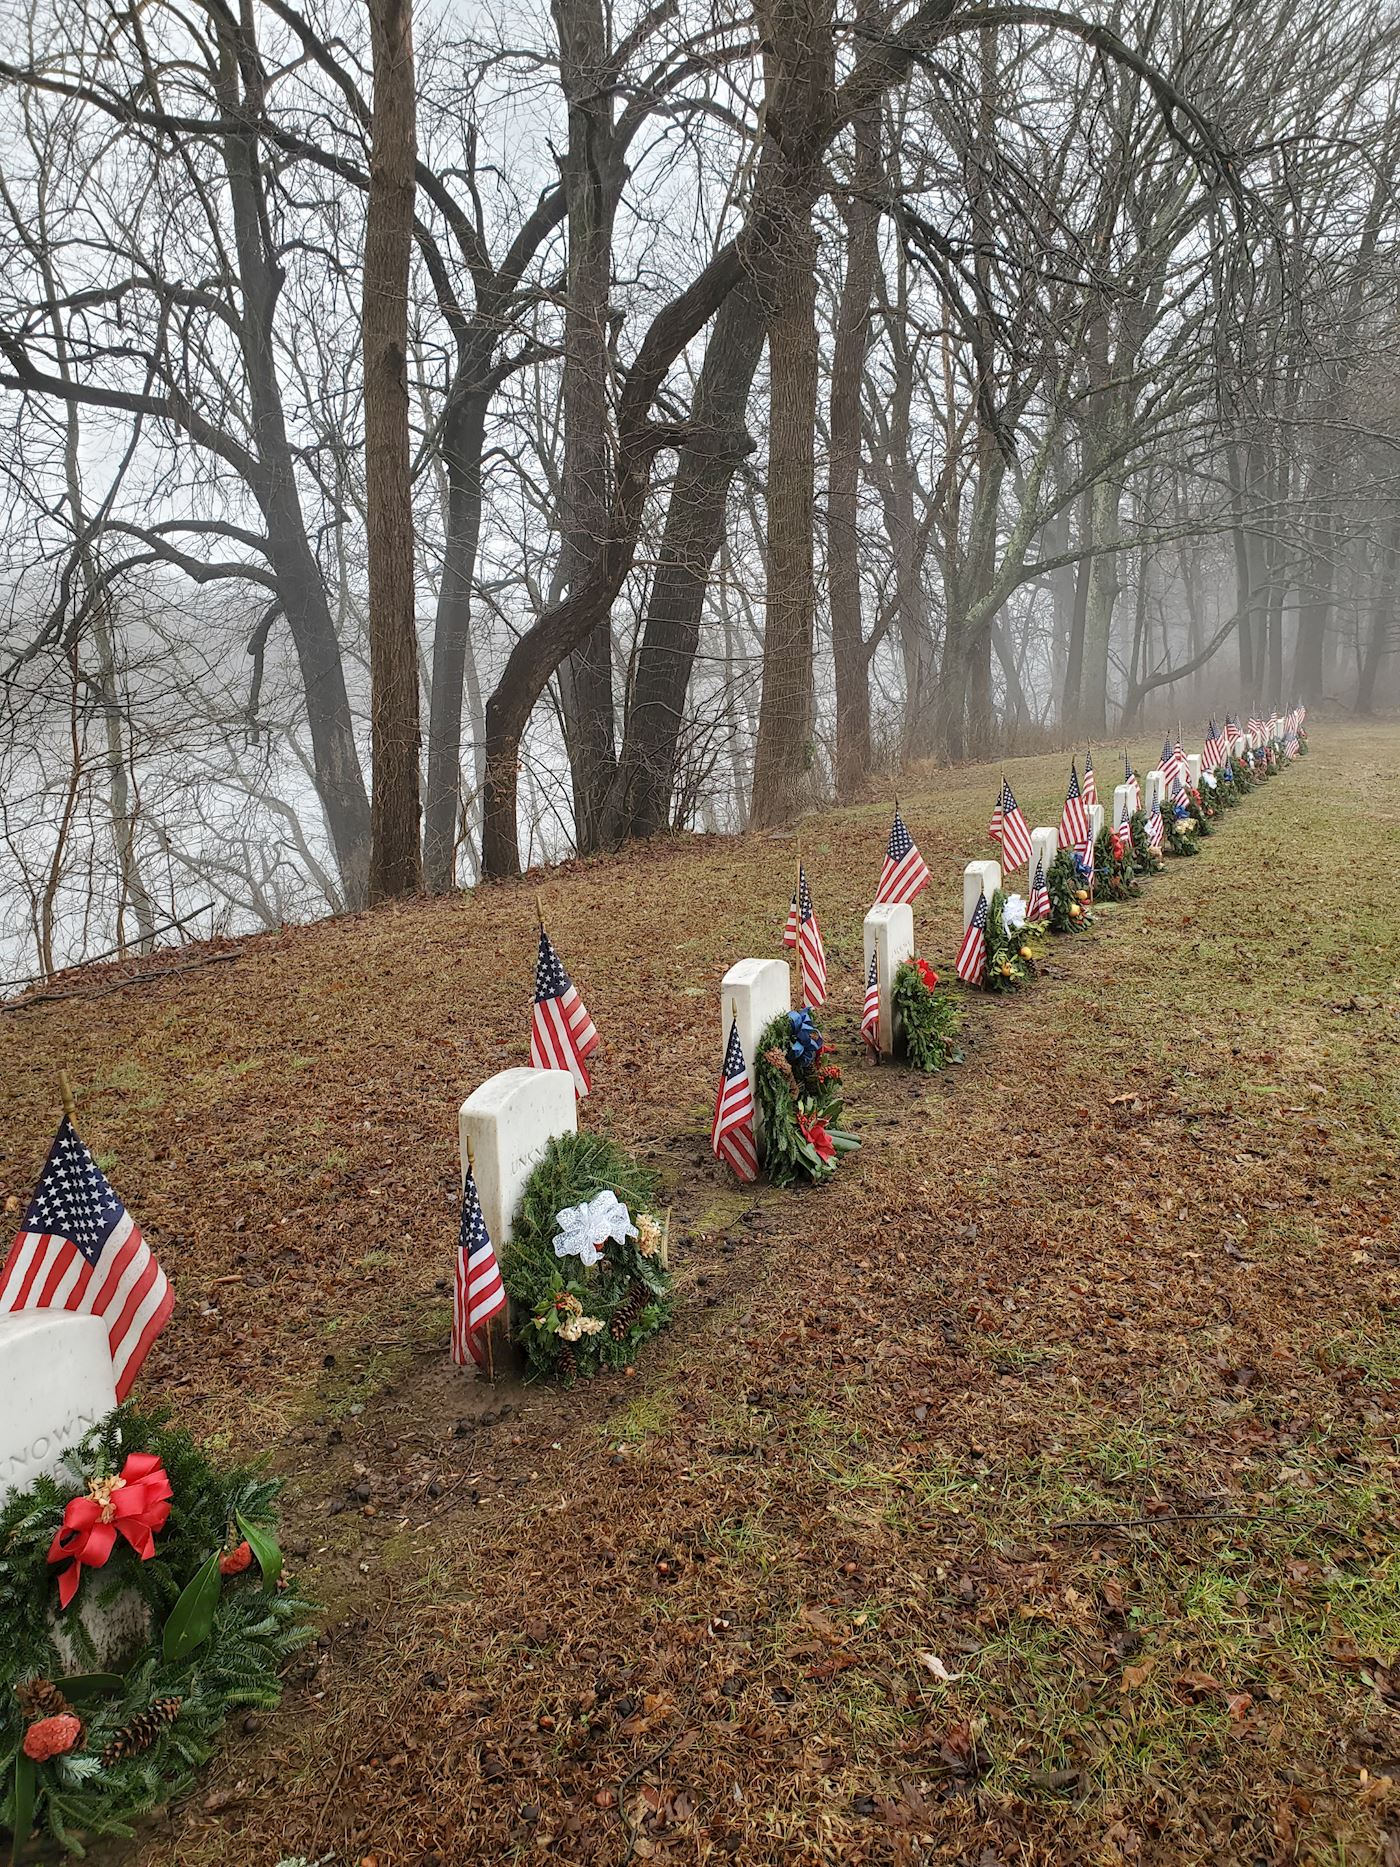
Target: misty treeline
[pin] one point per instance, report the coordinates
(435, 444)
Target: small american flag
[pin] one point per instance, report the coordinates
(79, 1249)
(562, 1036)
(905, 871)
(1074, 819)
(732, 1134)
(1130, 778)
(1216, 750)
(1038, 908)
(1009, 828)
(1257, 726)
(810, 953)
(870, 1013)
(790, 930)
(477, 1291)
(1173, 766)
(1156, 829)
(971, 964)
(1091, 789)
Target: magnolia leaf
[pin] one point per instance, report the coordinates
(83, 1688)
(192, 1617)
(24, 1802)
(932, 1663)
(264, 1547)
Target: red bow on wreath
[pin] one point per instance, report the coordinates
(136, 1502)
(926, 973)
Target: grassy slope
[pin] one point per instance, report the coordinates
(963, 1407)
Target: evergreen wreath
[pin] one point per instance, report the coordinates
(573, 1318)
(1071, 909)
(1179, 837)
(1226, 792)
(1203, 813)
(797, 1090)
(1011, 952)
(927, 1023)
(84, 1756)
(1145, 856)
(1244, 777)
(1116, 875)
(1303, 747)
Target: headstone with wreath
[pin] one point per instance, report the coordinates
(889, 939)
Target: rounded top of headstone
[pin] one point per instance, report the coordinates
(542, 1089)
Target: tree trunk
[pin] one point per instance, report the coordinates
(640, 801)
(590, 178)
(396, 863)
(798, 68)
(1379, 637)
(783, 754)
(851, 341)
(340, 783)
(463, 442)
(1098, 614)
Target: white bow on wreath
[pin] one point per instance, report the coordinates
(1013, 913)
(583, 1229)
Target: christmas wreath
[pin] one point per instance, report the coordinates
(1116, 874)
(798, 1090)
(586, 1265)
(1071, 908)
(1202, 811)
(1012, 946)
(1179, 832)
(1226, 791)
(171, 1562)
(1303, 747)
(1244, 777)
(927, 1023)
(1148, 859)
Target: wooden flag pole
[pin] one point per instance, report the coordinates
(491, 1322)
(65, 1089)
(539, 910)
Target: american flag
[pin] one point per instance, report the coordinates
(1290, 741)
(1091, 789)
(1084, 864)
(1074, 819)
(870, 1012)
(79, 1249)
(1173, 766)
(562, 1036)
(732, 1134)
(971, 965)
(1216, 751)
(1009, 828)
(810, 954)
(1038, 908)
(1130, 778)
(790, 929)
(1257, 726)
(477, 1291)
(905, 871)
(1156, 829)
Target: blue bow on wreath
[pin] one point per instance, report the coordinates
(1083, 866)
(804, 1040)
(1182, 809)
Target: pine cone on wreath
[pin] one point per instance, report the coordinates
(140, 1732)
(568, 1364)
(40, 1698)
(627, 1313)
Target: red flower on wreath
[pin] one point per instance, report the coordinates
(136, 1502)
(814, 1131)
(926, 973)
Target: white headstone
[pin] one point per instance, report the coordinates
(55, 1382)
(1122, 804)
(1193, 766)
(1045, 846)
(1156, 789)
(753, 992)
(1241, 745)
(979, 878)
(508, 1123)
(1095, 824)
(889, 935)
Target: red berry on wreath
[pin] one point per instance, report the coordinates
(235, 1561)
(53, 1737)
